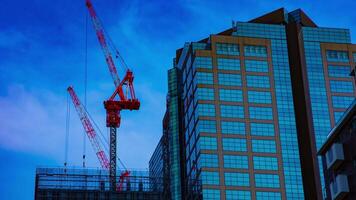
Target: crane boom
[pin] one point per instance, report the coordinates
(104, 46)
(88, 127)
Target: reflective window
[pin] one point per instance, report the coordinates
(228, 63)
(235, 162)
(211, 194)
(233, 128)
(256, 65)
(341, 86)
(268, 196)
(259, 97)
(252, 50)
(237, 195)
(258, 81)
(207, 126)
(264, 113)
(341, 101)
(230, 95)
(208, 143)
(237, 179)
(204, 78)
(205, 93)
(206, 110)
(262, 129)
(229, 79)
(227, 49)
(209, 160)
(234, 144)
(264, 146)
(232, 111)
(203, 62)
(265, 163)
(210, 178)
(267, 180)
(337, 56)
(339, 71)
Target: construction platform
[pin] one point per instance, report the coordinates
(83, 183)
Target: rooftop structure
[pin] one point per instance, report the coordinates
(72, 183)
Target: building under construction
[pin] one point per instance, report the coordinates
(106, 183)
(72, 183)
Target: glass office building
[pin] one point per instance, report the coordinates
(243, 127)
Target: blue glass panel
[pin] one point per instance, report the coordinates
(206, 110)
(259, 97)
(203, 62)
(204, 78)
(252, 50)
(207, 126)
(267, 180)
(208, 143)
(211, 194)
(264, 113)
(227, 49)
(237, 195)
(264, 146)
(233, 128)
(337, 56)
(205, 93)
(262, 129)
(209, 160)
(228, 63)
(341, 86)
(268, 196)
(341, 101)
(210, 178)
(234, 144)
(237, 179)
(229, 79)
(230, 95)
(256, 66)
(235, 162)
(339, 71)
(232, 111)
(258, 81)
(265, 163)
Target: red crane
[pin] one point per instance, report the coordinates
(114, 105)
(92, 135)
(89, 129)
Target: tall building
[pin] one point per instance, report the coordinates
(339, 158)
(249, 107)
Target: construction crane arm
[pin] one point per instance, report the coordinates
(89, 129)
(104, 45)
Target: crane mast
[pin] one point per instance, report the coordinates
(114, 105)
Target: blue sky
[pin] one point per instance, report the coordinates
(42, 52)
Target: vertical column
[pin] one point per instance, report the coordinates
(112, 158)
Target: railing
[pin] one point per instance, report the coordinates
(93, 179)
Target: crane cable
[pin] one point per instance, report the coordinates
(85, 82)
(67, 132)
(113, 47)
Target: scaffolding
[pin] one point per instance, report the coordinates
(94, 184)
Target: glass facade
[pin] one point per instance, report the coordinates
(331, 88)
(237, 111)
